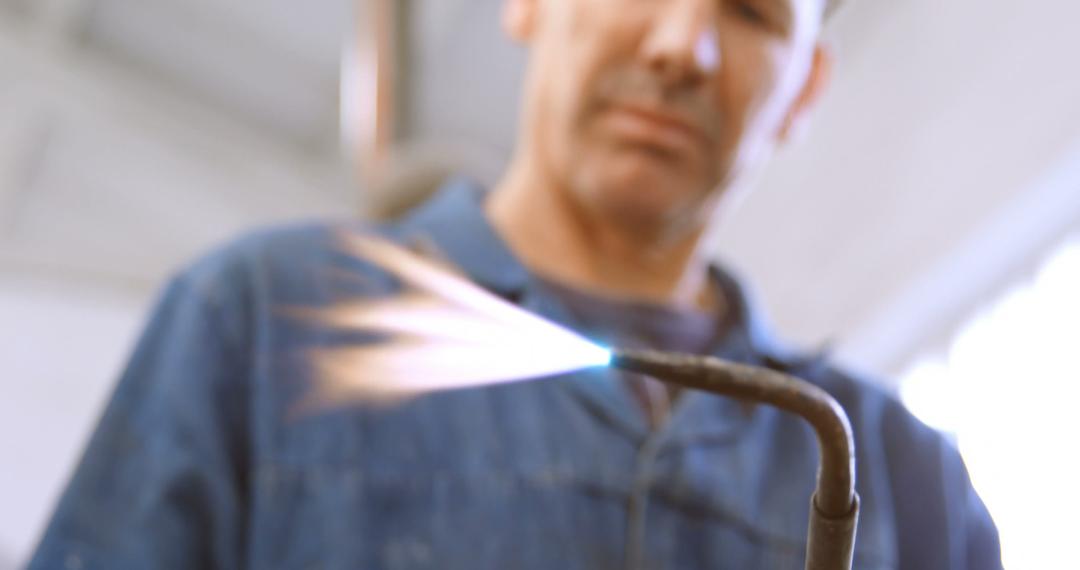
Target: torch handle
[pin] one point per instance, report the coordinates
(834, 507)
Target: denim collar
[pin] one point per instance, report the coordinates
(454, 220)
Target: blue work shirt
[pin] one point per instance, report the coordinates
(201, 461)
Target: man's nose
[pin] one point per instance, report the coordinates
(683, 46)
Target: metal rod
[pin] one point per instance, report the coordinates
(834, 506)
(373, 125)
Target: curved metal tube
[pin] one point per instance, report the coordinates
(835, 505)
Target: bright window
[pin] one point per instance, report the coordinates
(1008, 390)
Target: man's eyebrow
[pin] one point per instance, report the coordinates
(781, 8)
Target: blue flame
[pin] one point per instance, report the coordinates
(603, 355)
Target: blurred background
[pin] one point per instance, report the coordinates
(927, 229)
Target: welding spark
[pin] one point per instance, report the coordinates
(442, 332)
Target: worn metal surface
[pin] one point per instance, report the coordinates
(835, 505)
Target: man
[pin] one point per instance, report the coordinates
(641, 119)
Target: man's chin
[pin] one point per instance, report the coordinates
(645, 205)
(655, 165)
(637, 187)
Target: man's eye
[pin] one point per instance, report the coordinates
(749, 12)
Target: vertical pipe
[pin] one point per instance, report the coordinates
(369, 79)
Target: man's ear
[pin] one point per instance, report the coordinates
(519, 19)
(817, 80)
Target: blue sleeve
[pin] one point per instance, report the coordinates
(941, 521)
(162, 480)
(980, 546)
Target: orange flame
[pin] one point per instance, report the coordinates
(444, 332)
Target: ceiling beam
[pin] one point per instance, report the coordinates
(60, 20)
(55, 83)
(73, 82)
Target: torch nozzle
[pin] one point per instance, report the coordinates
(835, 505)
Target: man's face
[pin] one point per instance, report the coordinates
(647, 110)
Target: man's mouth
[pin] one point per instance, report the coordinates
(657, 127)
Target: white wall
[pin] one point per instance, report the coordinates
(61, 348)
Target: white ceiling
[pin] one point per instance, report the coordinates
(170, 121)
(944, 116)
(463, 76)
(265, 62)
